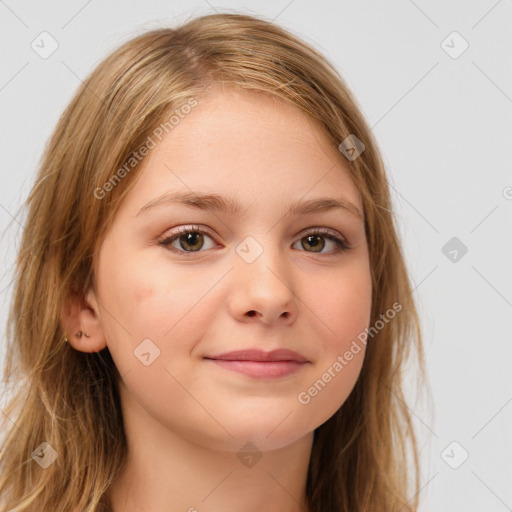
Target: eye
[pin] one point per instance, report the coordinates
(313, 239)
(189, 239)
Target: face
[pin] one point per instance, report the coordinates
(264, 278)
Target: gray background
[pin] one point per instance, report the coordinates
(444, 126)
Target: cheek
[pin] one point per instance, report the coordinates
(154, 296)
(171, 304)
(344, 310)
(343, 307)
(349, 316)
(338, 365)
(331, 387)
(170, 308)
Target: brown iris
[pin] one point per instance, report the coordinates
(193, 240)
(313, 241)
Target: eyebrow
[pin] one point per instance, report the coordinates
(221, 204)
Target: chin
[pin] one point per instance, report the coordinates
(263, 435)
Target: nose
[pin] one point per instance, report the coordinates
(263, 290)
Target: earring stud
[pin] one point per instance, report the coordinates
(79, 334)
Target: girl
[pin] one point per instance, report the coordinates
(211, 309)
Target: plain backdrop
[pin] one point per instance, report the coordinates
(434, 81)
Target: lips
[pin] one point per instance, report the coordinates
(260, 356)
(259, 364)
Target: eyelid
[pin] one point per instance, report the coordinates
(183, 230)
(321, 231)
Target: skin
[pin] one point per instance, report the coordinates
(186, 418)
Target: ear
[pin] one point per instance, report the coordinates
(80, 313)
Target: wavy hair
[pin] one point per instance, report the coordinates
(365, 457)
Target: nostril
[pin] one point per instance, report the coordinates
(252, 313)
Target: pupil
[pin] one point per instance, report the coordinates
(192, 236)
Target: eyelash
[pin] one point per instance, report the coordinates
(342, 245)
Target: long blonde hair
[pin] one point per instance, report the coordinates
(364, 455)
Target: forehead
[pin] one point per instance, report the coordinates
(246, 118)
(242, 144)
